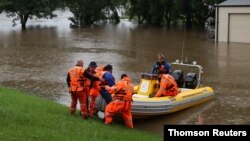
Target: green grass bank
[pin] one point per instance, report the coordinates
(24, 117)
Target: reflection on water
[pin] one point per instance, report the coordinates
(37, 60)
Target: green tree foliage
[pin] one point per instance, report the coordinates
(211, 6)
(200, 12)
(176, 12)
(139, 9)
(114, 6)
(187, 10)
(203, 10)
(157, 12)
(24, 9)
(197, 12)
(149, 11)
(168, 8)
(87, 12)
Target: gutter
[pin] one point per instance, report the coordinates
(217, 23)
(232, 5)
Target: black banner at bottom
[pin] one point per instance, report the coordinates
(206, 131)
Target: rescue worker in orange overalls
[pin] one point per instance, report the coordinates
(121, 103)
(78, 87)
(95, 89)
(91, 69)
(168, 86)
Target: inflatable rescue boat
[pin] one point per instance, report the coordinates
(191, 92)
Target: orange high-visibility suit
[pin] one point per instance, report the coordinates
(168, 86)
(122, 102)
(78, 90)
(95, 91)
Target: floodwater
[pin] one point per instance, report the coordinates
(37, 61)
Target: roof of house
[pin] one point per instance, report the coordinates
(234, 3)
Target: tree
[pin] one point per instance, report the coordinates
(24, 9)
(139, 9)
(203, 10)
(187, 9)
(86, 12)
(211, 4)
(156, 12)
(114, 6)
(168, 6)
(200, 13)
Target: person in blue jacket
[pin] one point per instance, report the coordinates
(110, 81)
(161, 66)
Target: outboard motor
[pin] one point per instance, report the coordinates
(191, 81)
(179, 78)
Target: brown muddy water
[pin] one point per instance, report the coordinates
(37, 61)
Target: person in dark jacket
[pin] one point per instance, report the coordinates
(109, 80)
(161, 66)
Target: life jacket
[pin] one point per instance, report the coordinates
(163, 69)
(95, 90)
(168, 86)
(77, 79)
(123, 89)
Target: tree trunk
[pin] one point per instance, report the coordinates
(188, 22)
(115, 13)
(189, 19)
(139, 19)
(169, 4)
(23, 26)
(188, 12)
(116, 16)
(168, 19)
(24, 19)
